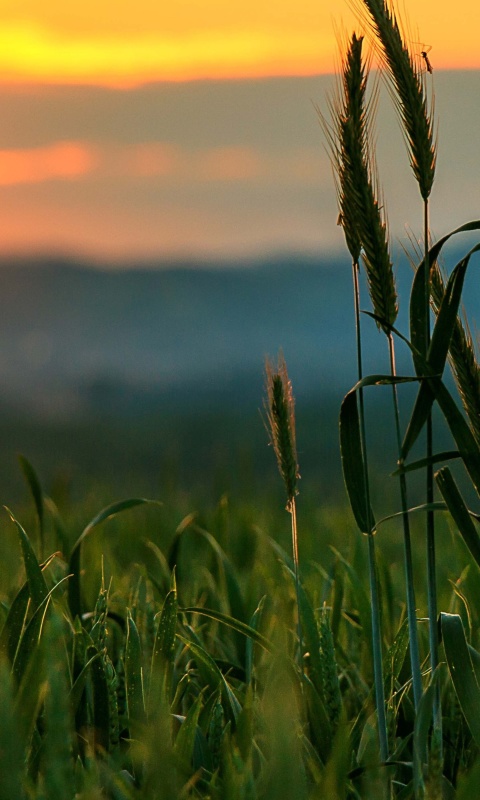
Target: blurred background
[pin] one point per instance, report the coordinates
(168, 219)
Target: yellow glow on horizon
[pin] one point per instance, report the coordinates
(116, 44)
(29, 53)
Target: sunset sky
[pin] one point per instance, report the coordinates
(125, 42)
(147, 128)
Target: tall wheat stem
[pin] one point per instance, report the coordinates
(280, 408)
(407, 546)
(296, 566)
(372, 568)
(431, 557)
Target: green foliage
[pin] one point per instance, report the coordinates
(195, 663)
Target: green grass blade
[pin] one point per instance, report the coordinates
(318, 718)
(463, 436)
(14, 623)
(214, 677)
(36, 582)
(417, 296)
(461, 670)
(12, 755)
(461, 432)
(311, 637)
(447, 314)
(134, 675)
(436, 458)
(234, 624)
(459, 511)
(185, 741)
(57, 743)
(422, 509)
(74, 587)
(164, 648)
(249, 649)
(362, 600)
(395, 658)
(438, 349)
(77, 689)
(422, 726)
(353, 462)
(163, 655)
(37, 494)
(32, 634)
(30, 693)
(101, 706)
(351, 448)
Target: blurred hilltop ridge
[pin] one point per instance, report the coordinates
(74, 338)
(139, 371)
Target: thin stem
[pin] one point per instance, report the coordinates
(293, 513)
(377, 649)
(374, 594)
(407, 546)
(431, 560)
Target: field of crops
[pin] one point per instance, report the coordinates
(267, 645)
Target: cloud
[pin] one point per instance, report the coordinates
(159, 162)
(59, 161)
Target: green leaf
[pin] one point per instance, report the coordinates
(249, 649)
(417, 297)
(101, 706)
(74, 588)
(435, 506)
(438, 349)
(311, 636)
(447, 455)
(14, 623)
(230, 622)
(77, 689)
(354, 468)
(185, 741)
(31, 691)
(36, 582)
(461, 670)
(12, 748)
(459, 511)
(163, 655)
(31, 636)
(164, 647)
(395, 658)
(423, 722)
(461, 432)
(134, 674)
(318, 718)
(214, 677)
(37, 494)
(459, 428)
(362, 600)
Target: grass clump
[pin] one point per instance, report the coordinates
(196, 665)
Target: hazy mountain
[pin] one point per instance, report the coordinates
(74, 337)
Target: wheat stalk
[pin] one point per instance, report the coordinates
(411, 102)
(280, 410)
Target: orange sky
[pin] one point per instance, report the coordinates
(121, 42)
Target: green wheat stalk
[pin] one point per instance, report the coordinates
(356, 179)
(348, 137)
(417, 120)
(280, 412)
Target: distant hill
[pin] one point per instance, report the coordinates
(143, 371)
(72, 335)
